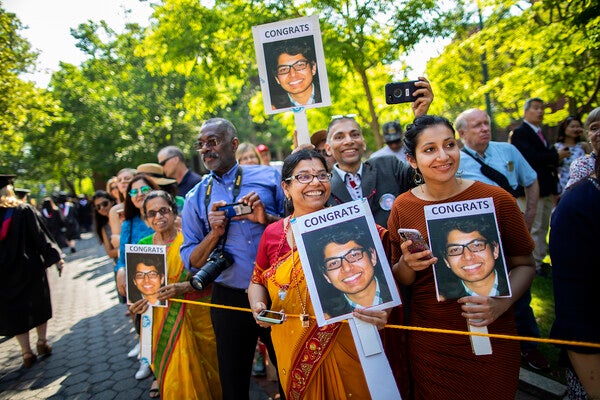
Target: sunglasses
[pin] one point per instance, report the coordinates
(341, 116)
(141, 192)
(163, 162)
(101, 205)
(162, 211)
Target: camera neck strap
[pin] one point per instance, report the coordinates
(237, 187)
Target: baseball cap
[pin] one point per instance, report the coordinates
(262, 148)
(392, 131)
(318, 137)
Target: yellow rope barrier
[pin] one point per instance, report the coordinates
(432, 330)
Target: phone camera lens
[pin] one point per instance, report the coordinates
(397, 92)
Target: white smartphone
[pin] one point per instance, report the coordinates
(418, 242)
(273, 317)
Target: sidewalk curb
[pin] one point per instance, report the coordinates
(540, 386)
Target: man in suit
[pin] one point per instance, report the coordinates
(543, 158)
(380, 179)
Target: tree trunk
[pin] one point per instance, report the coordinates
(374, 123)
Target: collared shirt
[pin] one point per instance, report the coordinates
(538, 132)
(503, 157)
(242, 236)
(311, 100)
(376, 300)
(190, 179)
(493, 291)
(386, 151)
(356, 191)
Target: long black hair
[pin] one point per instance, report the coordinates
(100, 220)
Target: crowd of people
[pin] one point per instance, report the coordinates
(251, 261)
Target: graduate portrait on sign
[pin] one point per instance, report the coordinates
(469, 251)
(347, 267)
(145, 269)
(291, 64)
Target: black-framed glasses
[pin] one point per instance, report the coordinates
(210, 143)
(141, 191)
(101, 205)
(474, 246)
(299, 65)
(152, 275)
(162, 211)
(163, 162)
(308, 178)
(352, 256)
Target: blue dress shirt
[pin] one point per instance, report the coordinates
(242, 236)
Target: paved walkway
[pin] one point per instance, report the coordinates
(90, 336)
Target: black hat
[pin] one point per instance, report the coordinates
(20, 192)
(6, 179)
(392, 131)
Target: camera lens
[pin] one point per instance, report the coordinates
(397, 92)
(217, 262)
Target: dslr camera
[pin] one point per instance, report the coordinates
(217, 262)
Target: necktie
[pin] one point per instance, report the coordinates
(354, 183)
(541, 136)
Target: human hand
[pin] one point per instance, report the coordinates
(258, 214)
(422, 103)
(376, 317)
(139, 307)
(217, 219)
(256, 309)
(416, 261)
(564, 153)
(121, 282)
(483, 310)
(59, 267)
(174, 290)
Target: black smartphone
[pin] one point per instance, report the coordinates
(235, 209)
(274, 317)
(418, 242)
(400, 92)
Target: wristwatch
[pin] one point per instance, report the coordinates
(196, 284)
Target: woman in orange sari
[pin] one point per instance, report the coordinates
(184, 356)
(313, 362)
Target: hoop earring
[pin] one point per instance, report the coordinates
(418, 178)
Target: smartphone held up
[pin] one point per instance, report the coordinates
(400, 92)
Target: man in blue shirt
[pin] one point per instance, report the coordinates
(172, 160)
(205, 228)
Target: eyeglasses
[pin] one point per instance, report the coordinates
(210, 143)
(125, 179)
(299, 65)
(141, 191)
(474, 246)
(340, 116)
(308, 178)
(352, 256)
(162, 211)
(163, 162)
(152, 275)
(101, 205)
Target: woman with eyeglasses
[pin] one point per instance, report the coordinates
(102, 202)
(571, 137)
(184, 355)
(313, 362)
(583, 166)
(133, 229)
(443, 366)
(116, 215)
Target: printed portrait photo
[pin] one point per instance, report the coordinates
(346, 267)
(145, 276)
(470, 258)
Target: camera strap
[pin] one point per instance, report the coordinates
(237, 187)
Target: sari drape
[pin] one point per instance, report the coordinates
(184, 355)
(313, 363)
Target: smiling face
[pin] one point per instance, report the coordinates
(218, 152)
(347, 144)
(138, 200)
(307, 197)
(437, 155)
(102, 205)
(148, 280)
(297, 83)
(355, 279)
(164, 218)
(473, 267)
